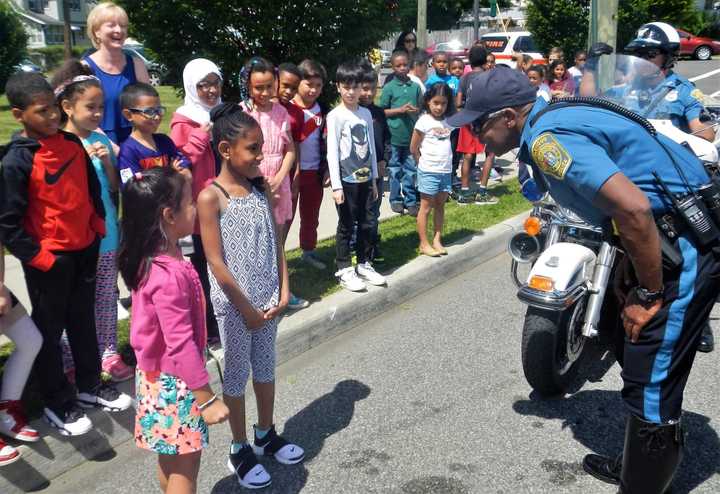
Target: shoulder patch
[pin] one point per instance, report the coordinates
(698, 95)
(551, 156)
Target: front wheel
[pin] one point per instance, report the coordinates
(703, 53)
(552, 344)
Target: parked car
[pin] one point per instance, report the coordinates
(27, 65)
(453, 49)
(697, 47)
(507, 45)
(157, 71)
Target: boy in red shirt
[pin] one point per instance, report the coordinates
(51, 219)
(311, 174)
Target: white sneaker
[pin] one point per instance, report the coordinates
(107, 397)
(68, 419)
(367, 272)
(349, 279)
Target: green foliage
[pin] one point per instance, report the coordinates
(564, 23)
(13, 40)
(228, 33)
(53, 56)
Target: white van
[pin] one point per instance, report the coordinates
(506, 45)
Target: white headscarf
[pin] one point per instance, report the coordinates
(194, 72)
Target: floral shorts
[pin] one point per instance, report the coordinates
(168, 420)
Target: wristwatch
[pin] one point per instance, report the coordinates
(649, 296)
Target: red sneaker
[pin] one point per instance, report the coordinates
(13, 422)
(8, 454)
(117, 369)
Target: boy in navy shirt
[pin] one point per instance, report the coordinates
(146, 149)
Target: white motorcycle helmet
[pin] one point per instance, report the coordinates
(656, 36)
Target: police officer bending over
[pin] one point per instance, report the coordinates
(602, 164)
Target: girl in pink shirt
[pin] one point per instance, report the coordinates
(190, 131)
(175, 403)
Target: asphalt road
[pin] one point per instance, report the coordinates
(430, 398)
(694, 68)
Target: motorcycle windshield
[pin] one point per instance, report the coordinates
(631, 82)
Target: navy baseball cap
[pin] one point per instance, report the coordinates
(498, 88)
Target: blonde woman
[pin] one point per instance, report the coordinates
(107, 28)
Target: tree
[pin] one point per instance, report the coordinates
(13, 42)
(564, 23)
(228, 33)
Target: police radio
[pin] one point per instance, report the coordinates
(691, 208)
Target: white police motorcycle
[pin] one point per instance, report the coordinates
(571, 262)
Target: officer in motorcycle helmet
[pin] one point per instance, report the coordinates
(659, 43)
(600, 162)
(669, 94)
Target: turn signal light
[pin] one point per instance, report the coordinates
(541, 283)
(533, 226)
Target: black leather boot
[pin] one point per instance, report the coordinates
(652, 454)
(707, 340)
(603, 467)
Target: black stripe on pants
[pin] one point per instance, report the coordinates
(64, 298)
(656, 368)
(357, 208)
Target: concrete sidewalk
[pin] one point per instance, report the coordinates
(297, 332)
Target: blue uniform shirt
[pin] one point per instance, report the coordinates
(680, 100)
(577, 149)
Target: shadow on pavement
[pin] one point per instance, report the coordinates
(597, 421)
(309, 428)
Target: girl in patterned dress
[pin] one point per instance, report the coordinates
(249, 287)
(175, 403)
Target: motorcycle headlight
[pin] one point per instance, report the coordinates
(524, 248)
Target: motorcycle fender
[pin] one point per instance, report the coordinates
(567, 264)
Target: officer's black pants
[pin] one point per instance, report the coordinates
(656, 368)
(64, 298)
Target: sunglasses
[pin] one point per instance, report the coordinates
(157, 111)
(649, 54)
(477, 125)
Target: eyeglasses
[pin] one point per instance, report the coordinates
(157, 111)
(477, 125)
(204, 86)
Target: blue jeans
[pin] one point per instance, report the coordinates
(402, 170)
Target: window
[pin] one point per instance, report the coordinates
(525, 44)
(74, 5)
(37, 6)
(54, 35)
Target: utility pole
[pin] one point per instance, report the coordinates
(603, 28)
(67, 32)
(476, 20)
(421, 31)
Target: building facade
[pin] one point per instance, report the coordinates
(44, 21)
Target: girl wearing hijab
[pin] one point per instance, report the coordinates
(190, 131)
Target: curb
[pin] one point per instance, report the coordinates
(54, 455)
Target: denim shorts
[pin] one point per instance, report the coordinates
(433, 183)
